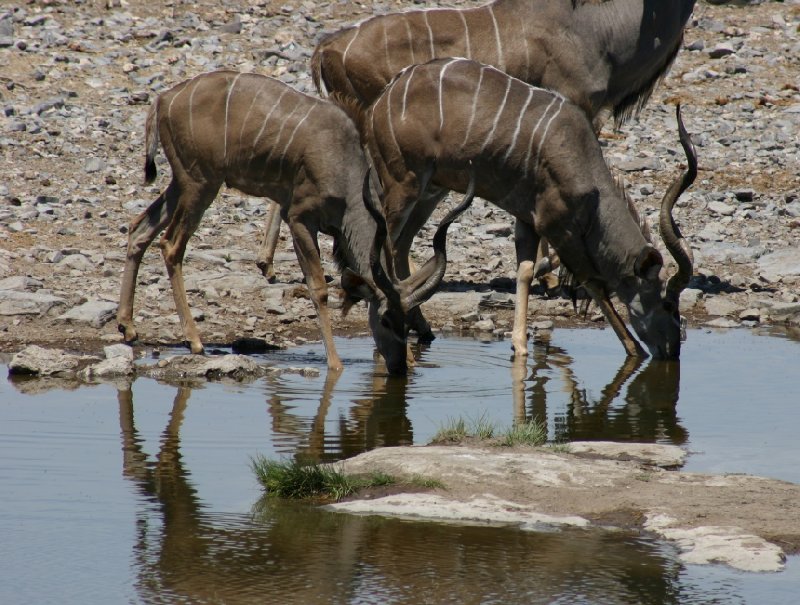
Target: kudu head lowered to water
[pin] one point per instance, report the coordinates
(535, 155)
(266, 139)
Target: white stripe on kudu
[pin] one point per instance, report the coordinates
(519, 125)
(405, 92)
(468, 49)
(227, 106)
(501, 64)
(534, 131)
(497, 116)
(410, 38)
(191, 109)
(547, 126)
(441, 96)
(266, 120)
(430, 34)
(353, 39)
(246, 120)
(474, 106)
(291, 138)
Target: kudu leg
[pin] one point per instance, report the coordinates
(266, 252)
(632, 346)
(307, 250)
(143, 230)
(526, 242)
(192, 203)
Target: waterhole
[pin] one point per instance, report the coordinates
(143, 493)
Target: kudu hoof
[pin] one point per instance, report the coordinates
(129, 334)
(267, 270)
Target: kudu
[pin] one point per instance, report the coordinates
(601, 54)
(535, 155)
(264, 138)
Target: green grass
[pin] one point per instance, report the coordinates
(456, 430)
(525, 433)
(298, 480)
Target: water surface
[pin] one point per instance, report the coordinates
(142, 493)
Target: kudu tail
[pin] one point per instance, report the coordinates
(329, 74)
(316, 69)
(151, 144)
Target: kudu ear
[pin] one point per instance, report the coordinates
(355, 286)
(648, 264)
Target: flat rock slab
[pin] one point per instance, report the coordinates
(738, 520)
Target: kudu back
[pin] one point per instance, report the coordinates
(535, 155)
(262, 137)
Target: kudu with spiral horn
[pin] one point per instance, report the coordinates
(535, 155)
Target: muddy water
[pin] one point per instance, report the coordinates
(142, 493)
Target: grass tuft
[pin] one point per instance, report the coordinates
(526, 433)
(299, 480)
(456, 430)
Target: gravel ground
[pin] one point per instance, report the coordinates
(77, 78)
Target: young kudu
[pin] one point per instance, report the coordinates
(535, 155)
(265, 139)
(603, 55)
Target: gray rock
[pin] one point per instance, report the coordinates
(38, 361)
(108, 368)
(781, 262)
(721, 208)
(201, 366)
(94, 165)
(20, 282)
(722, 322)
(721, 306)
(13, 302)
(484, 325)
(94, 312)
(638, 164)
(118, 350)
(721, 50)
(499, 229)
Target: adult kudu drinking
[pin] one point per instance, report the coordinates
(535, 155)
(604, 55)
(265, 139)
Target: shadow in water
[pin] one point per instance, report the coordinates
(649, 390)
(293, 553)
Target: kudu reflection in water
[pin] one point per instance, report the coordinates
(287, 553)
(192, 555)
(650, 398)
(376, 418)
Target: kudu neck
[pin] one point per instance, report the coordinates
(639, 37)
(357, 232)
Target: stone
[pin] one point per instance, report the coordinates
(781, 262)
(13, 302)
(38, 361)
(96, 313)
(721, 306)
